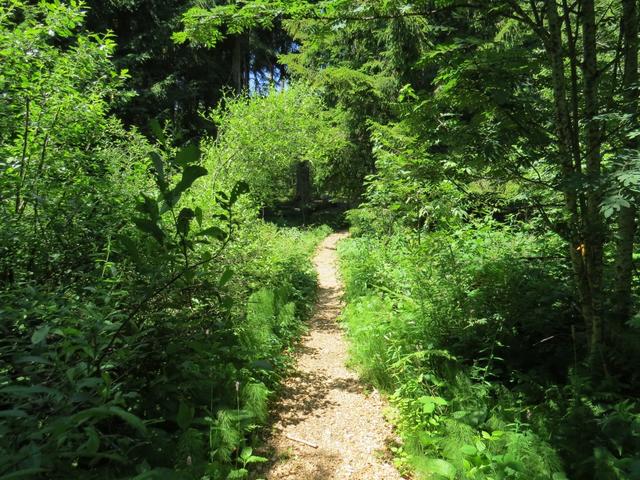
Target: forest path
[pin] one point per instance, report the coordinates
(325, 404)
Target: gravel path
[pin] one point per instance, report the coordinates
(323, 402)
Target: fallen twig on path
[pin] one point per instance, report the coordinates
(300, 440)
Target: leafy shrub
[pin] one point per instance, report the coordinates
(126, 284)
(434, 322)
(179, 393)
(261, 140)
(468, 331)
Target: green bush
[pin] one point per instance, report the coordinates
(181, 392)
(145, 315)
(261, 140)
(468, 330)
(432, 322)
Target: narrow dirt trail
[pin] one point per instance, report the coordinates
(325, 404)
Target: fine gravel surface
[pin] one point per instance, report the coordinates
(327, 426)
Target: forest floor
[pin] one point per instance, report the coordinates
(324, 404)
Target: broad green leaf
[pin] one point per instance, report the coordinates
(438, 401)
(99, 413)
(256, 459)
(25, 391)
(440, 467)
(226, 276)
(246, 453)
(13, 413)
(239, 188)
(188, 155)
(91, 446)
(150, 227)
(214, 232)
(428, 407)
(190, 174)
(184, 219)
(239, 474)
(158, 166)
(468, 449)
(40, 334)
(33, 358)
(429, 403)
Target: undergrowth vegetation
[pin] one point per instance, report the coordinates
(146, 312)
(490, 150)
(183, 388)
(468, 331)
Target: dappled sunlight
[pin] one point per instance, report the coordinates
(325, 404)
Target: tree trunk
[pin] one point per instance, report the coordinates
(575, 92)
(627, 217)
(553, 46)
(594, 228)
(239, 63)
(303, 187)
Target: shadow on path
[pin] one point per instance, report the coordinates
(324, 425)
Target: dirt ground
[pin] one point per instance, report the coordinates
(324, 403)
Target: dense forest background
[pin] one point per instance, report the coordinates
(167, 169)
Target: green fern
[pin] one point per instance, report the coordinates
(455, 435)
(535, 457)
(224, 435)
(256, 332)
(255, 397)
(191, 447)
(286, 318)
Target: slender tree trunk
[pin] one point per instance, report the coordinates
(239, 63)
(303, 188)
(236, 64)
(594, 231)
(246, 65)
(22, 172)
(569, 170)
(575, 104)
(571, 32)
(627, 217)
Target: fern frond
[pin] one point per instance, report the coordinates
(255, 397)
